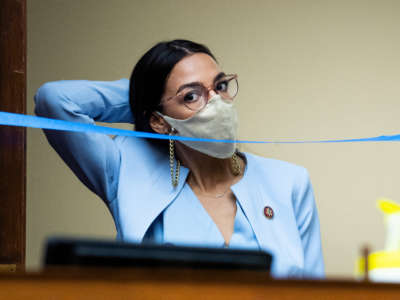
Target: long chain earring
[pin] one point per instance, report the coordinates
(174, 173)
(235, 165)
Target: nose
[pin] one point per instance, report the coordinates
(211, 93)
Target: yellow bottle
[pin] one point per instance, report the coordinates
(385, 265)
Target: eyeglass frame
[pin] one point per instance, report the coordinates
(207, 89)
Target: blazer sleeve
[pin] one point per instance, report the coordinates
(94, 158)
(309, 228)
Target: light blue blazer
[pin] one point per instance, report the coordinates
(133, 177)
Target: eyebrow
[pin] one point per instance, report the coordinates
(196, 83)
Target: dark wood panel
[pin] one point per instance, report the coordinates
(153, 283)
(12, 139)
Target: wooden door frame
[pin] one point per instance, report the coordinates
(13, 27)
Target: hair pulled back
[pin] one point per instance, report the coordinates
(149, 77)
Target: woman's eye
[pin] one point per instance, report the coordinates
(191, 97)
(222, 86)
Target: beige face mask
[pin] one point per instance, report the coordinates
(217, 120)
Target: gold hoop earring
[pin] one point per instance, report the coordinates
(174, 173)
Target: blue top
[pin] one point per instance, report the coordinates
(171, 226)
(133, 178)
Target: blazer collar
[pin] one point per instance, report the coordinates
(159, 195)
(253, 198)
(248, 191)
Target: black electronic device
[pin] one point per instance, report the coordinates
(105, 253)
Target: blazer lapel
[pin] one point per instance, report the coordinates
(154, 196)
(253, 194)
(253, 202)
(161, 195)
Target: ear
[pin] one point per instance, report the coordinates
(158, 124)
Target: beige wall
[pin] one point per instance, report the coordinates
(307, 70)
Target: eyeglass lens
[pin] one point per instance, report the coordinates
(195, 98)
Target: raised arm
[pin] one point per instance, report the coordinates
(94, 158)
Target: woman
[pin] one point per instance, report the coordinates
(190, 193)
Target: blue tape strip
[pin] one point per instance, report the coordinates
(21, 120)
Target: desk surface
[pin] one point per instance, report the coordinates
(75, 283)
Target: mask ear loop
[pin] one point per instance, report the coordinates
(174, 171)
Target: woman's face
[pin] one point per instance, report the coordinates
(197, 69)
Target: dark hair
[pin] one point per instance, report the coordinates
(149, 76)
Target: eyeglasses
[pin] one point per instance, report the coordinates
(195, 95)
